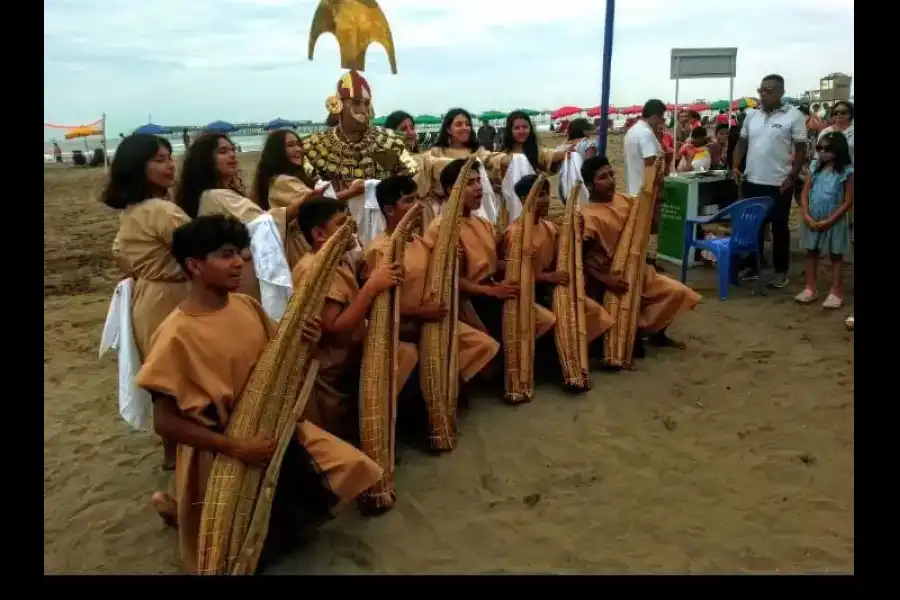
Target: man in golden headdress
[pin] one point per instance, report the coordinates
(355, 149)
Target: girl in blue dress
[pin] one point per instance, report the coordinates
(826, 201)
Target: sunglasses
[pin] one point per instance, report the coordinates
(821, 148)
(842, 112)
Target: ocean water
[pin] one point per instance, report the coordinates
(248, 143)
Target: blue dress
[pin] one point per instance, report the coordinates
(826, 195)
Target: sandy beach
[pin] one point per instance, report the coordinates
(735, 455)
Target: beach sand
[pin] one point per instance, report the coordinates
(734, 455)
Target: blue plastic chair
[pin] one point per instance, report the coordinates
(746, 217)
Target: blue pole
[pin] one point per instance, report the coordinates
(607, 68)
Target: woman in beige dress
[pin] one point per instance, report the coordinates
(210, 184)
(141, 174)
(519, 137)
(403, 123)
(281, 181)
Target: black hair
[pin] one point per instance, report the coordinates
(389, 191)
(653, 108)
(590, 167)
(394, 120)
(845, 103)
(776, 78)
(721, 111)
(128, 173)
(722, 127)
(443, 138)
(315, 212)
(580, 128)
(698, 132)
(530, 145)
(273, 161)
(524, 185)
(451, 172)
(837, 142)
(199, 173)
(694, 114)
(201, 237)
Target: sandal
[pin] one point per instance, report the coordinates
(806, 296)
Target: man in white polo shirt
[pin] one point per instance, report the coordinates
(769, 137)
(641, 150)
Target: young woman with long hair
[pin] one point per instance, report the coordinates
(141, 174)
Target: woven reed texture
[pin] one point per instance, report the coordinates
(378, 386)
(629, 263)
(438, 345)
(264, 408)
(251, 550)
(518, 313)
(568, 301)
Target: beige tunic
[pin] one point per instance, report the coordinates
(476, 349)
(285, 190)
(479, 242)
(330, 406)
(545, 244)
(428, 180)
(663, 298)
(203, 361)
(497, 170)
(143, 248)
(228, 202)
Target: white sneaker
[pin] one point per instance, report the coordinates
(833, 301)
(806, 296)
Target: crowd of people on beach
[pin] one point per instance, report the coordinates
(209, 269)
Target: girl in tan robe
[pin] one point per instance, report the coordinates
(199, 361)
(210, 185)
(663, 299)
(456, 140)
(396, 195)
(481, 295)
(519, 138)
(343, 324)
(141, 174)
(281, 181)
(544, 246)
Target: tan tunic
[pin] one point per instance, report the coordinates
(497, 170)
(545, 244)
(428, 180)
(479, 242)
(476, 349)
(203, 361)
(285, 190)
(340, 357)
(143, 248)
(228, 202)
(663, 298)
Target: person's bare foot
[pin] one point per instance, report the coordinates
(166, 507)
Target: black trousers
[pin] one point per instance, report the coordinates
(779, 218)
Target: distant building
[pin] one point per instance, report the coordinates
(832, 87)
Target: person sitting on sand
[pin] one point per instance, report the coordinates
(331, 405)
(199, 361)
(663, 299)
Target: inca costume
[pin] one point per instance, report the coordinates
(380, 153)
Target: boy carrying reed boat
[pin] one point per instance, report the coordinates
(396, 195)
(332, 405)
(199, 361)
(544, 253)
(662, 298)
(481, 291)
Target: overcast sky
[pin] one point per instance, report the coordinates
(195, 61)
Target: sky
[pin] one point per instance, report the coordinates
(196, 61)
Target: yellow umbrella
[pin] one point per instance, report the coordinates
(83, 131)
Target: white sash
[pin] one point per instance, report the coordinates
(270, 265)
(569, 175)
(518, 168)
(135, 405)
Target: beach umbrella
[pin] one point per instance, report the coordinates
(564, 111)
(152, 129)
(220, 127)
(594, 111)
(427, 120)
(380, 121)
(82, 132)
(699, 107)
(744, 102)
(278, 123)
(528, 111)
(719, 105)
(632, 110)
(493, 115)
